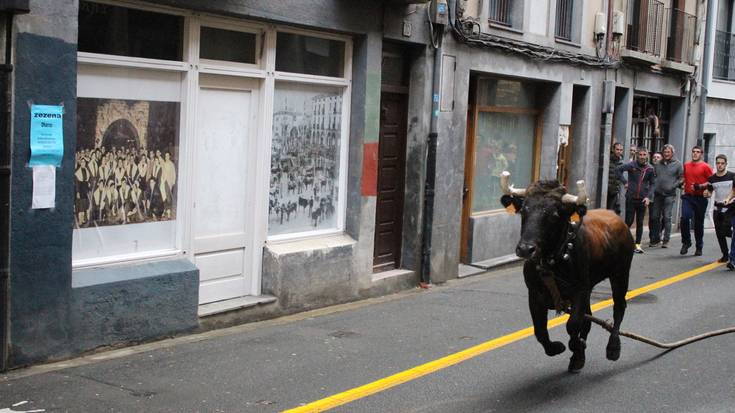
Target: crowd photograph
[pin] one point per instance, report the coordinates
(125, 163)
(304, 160)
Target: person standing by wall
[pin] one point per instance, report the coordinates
(669, 177)
(693, 202)
(613, 183)
(639, 192)
(720, 186)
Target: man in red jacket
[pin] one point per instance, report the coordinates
(693, 202)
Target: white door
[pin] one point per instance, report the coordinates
(223, 186)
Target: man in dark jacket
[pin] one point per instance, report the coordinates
(669, 177)
(639, 192)
(613, 183)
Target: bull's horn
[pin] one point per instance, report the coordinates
(508, 189)
(579, 199)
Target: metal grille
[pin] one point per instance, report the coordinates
(500, 12)
(564, 9)
(724, 62)
(645, 29)
(682, 30)
(643, 131)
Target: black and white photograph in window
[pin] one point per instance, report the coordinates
(305, 160)
(126, 162)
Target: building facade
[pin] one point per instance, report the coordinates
(227, 162)
(719, 115)
(531, 77)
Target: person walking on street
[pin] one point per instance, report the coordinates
(693, 202)
(721, 185)
(639, 186)
(613, 183)
(669, 177)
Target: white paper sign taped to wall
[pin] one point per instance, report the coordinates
(44, 187)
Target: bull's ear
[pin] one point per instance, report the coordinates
(511, 203)
(581, 210)
(578, 212)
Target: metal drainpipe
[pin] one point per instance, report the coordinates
(5, 70)
(430, 179)
(608, 107)
(9, 8)
(706, 64)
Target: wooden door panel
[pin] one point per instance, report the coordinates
(391, 172)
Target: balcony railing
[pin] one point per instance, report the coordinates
(645, 28)
(682, 30)
(724, 64)
(500, 12)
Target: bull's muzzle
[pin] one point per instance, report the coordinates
(525, 249)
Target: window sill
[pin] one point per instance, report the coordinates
(567, 42)
(724, 80)
(510, 29)
(124, 259)
(310, 244)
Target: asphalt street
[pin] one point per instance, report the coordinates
(450, 348)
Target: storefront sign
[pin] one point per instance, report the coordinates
(47, 135)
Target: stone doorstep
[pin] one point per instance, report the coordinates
(233, 304)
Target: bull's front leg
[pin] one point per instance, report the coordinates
(539, 316)
(575, 326)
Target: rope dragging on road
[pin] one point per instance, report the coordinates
(607, 325)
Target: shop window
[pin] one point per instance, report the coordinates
(305, 159)
(504, 142)
(122, 31)
(506, 93)
(127, 162)
(503, 138)
(227, 45)
(134, 134)
(309, 55)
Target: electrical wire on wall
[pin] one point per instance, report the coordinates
(470, 32)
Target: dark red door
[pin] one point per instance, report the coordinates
(391, 171)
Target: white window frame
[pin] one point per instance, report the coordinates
(346, 84)
(264, 69)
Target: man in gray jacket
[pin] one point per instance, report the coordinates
(669, 177)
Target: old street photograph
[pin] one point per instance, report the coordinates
(367, 206)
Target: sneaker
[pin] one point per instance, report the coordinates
(730, 266)
(653, 244)
(725, 258)
(684, 248)
(665, 244)
(698, 252)
(638, 249)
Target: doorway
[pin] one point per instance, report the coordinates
(223, 227)
(391, 158)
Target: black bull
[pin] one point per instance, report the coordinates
(564, 260)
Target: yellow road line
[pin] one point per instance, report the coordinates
(452, 359)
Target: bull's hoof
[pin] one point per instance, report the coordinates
(554, 348)
(613, 348)
(576, 362)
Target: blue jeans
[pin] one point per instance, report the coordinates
(693, 209)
